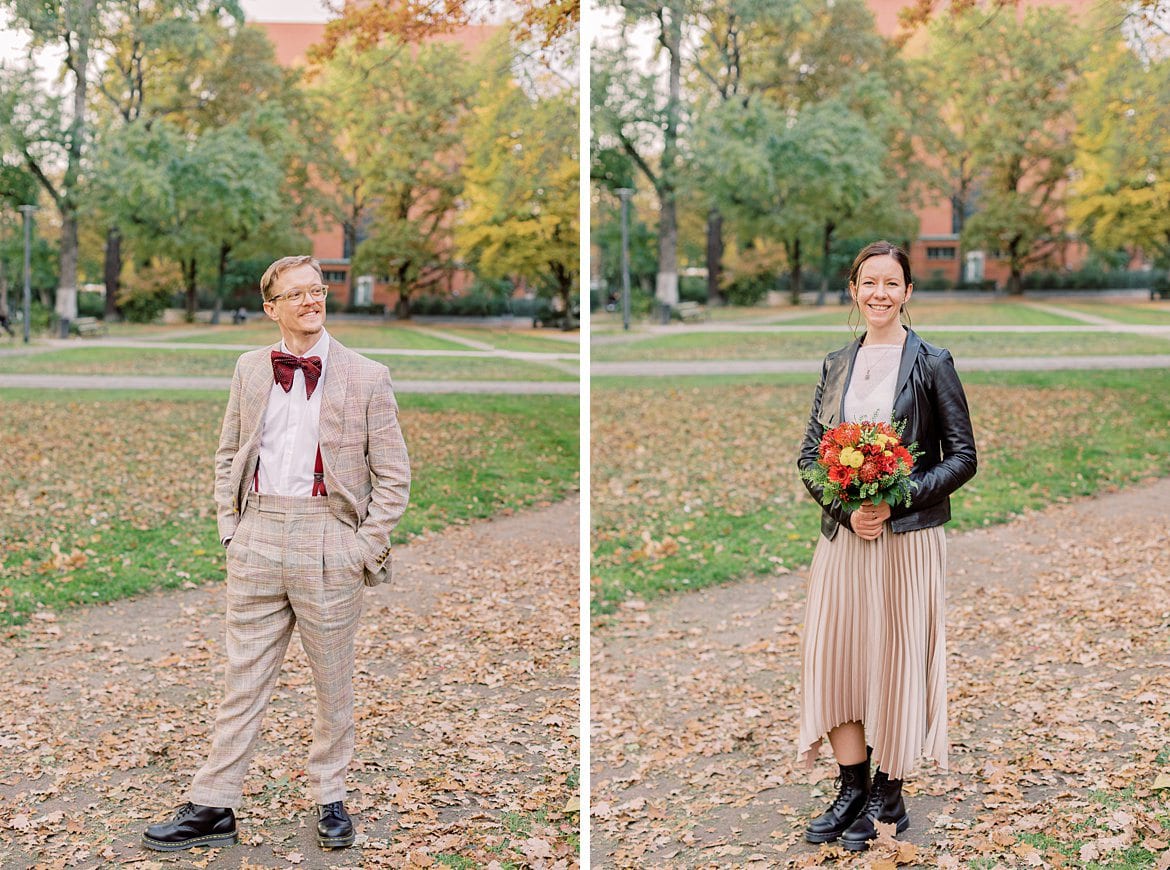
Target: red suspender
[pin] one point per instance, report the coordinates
(319, 475)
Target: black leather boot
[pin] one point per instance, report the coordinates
(854, 790)
(193, 825)
(885, 804)
(334, 827)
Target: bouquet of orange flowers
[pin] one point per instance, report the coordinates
(864, 462)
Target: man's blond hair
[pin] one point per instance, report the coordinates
(283, 265)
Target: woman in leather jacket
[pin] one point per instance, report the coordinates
(873, 675)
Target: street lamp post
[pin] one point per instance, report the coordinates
(625, 193)
(27, 211)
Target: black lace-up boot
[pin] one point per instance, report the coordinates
(885, 805)
(334, 827)
(853, 790)
(193, 825)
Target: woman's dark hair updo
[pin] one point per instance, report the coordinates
(880, 249)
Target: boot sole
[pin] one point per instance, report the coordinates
(336, 842)
(861, 845)
(810, 837)
(210, 840)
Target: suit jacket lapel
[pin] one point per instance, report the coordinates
(332, 420)
(254, 403)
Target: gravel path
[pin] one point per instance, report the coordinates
(144, 382)
(678, 368)
(467, 690)
(1059, 709)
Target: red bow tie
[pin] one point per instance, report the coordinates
(284, 365)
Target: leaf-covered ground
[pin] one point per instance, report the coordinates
(697, 345)
(199, 361)
(695, 482)
(112, 492)
(467, 737)
(1058, 627)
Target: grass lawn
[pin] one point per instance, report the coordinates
(1092, 818)
(258, 333)
(933, 312)
(694, 483)
(113, 493)
(1148, 313)
(97, 360)
(814, 345)
(525, 340)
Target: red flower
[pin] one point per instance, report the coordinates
(841, 475)
(847, 434)
(831, 456)
(869, 471)
(903, 455)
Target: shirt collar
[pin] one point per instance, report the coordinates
(321, 348)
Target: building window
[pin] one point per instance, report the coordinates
(947, 253)
(332, 276)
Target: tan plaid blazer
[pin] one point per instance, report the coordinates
(367, 472)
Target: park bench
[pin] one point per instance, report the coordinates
(690, 311)
(89, 326)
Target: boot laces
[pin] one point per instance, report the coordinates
(335, 809)
(877, 797)
(842, 798)
(185, 811)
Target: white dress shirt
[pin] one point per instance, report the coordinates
(291, 431)
(872, 398)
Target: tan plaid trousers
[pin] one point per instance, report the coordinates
(290, 562)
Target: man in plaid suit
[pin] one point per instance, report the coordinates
(311, 477)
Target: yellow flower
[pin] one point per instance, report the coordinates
(851, 457)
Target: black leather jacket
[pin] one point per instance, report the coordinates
(929, 397)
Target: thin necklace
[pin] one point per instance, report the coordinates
(885, 356)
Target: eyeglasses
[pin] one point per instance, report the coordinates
(297, 294)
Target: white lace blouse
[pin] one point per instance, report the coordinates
(870, 394)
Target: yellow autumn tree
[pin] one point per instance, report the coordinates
(1121, 188)
(520, 215)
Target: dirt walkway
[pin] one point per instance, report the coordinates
(467, 714)
(154, 382)
(683, 368)
(1059, 665)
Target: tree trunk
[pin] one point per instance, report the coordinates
(1015, 282)
(3, 289)
(795, 265)
(350, 245)
(564, 279)
(402, 306)
(959, 204)
(78, 60)
(66, 307)
(112, 271)
(714, 257)
(192, 301)
(826, 252)
(220, 281)
(666, 291)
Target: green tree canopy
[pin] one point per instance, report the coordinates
(397, 112)
(1009, 79)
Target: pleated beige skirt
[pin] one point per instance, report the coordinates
(875, 646)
